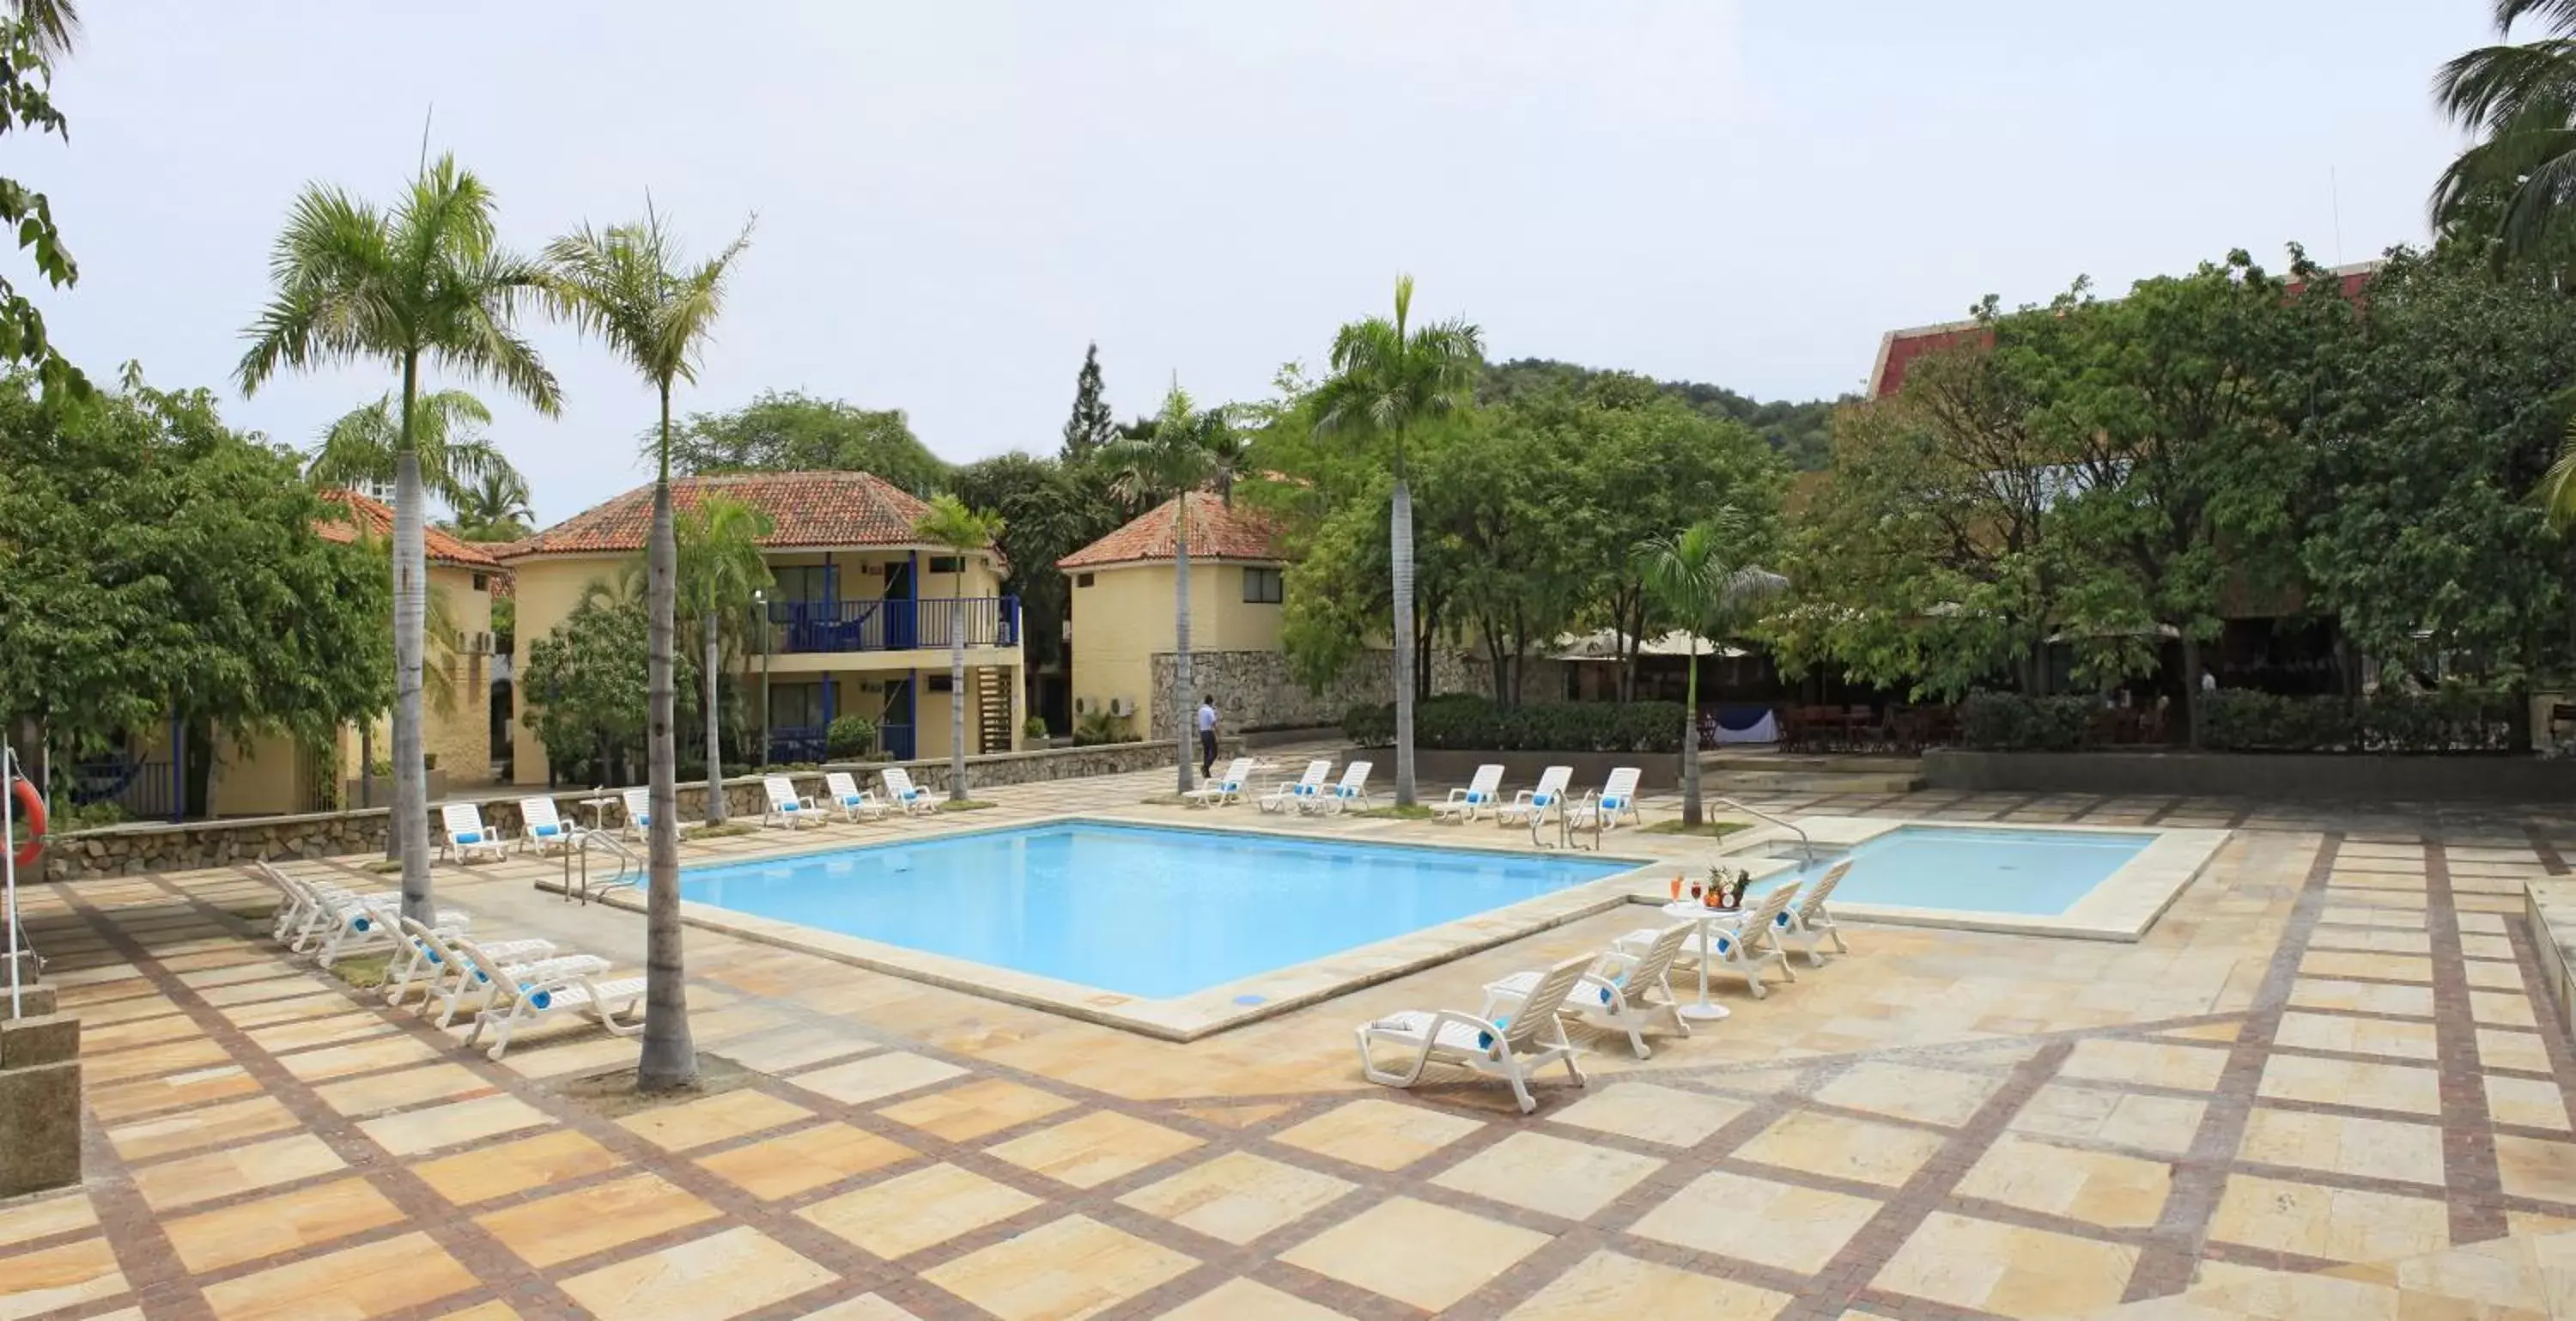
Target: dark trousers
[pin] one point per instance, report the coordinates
(1207, 752)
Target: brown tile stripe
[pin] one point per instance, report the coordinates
(2200, 1176)
(2468, 1143)
(2550, 859)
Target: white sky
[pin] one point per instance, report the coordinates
(954, 198)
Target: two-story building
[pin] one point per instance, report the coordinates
(859, 611)
(1123, 621)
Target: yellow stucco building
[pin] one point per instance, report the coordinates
(1123, 611)
(859, 612)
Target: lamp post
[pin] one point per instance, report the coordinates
(760, 605)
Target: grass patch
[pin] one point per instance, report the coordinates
(385, 866)
(964, 805)
(1706, 829)
(255, 912)
(1164, 800)
(726, 831)
(365, 972)
(612, 1095)
(1398, 812)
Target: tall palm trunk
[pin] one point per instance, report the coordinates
(957, 684)
(1181, 708)
(1401, 527)
(715, 741)
(411, 615)
(670, 1058)
(1690, 743)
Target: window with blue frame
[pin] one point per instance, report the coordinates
(796, 705)
(801, 583)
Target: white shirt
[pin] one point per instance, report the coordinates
(1207, 716)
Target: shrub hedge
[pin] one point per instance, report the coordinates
(2241, 720)
(1467, 721)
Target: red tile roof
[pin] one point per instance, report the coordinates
(378, 519)
(806, 510)
(1217, 531)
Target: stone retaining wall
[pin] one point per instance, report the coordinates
(1254, 690)
(160, 846)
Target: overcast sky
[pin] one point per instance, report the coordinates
(955, 198)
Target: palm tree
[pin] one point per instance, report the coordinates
(720, 567)
(1185, 450)
(2520, 101)
(360, 447)
(425, 280)
(949, 523)
(630, 286)
(1389, 377)
(494, 508)
(1698, 578)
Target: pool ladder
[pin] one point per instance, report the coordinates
(630, 869)
(1784, 823)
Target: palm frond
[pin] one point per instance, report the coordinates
(2558, 15)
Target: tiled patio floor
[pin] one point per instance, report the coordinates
(2320, 1087)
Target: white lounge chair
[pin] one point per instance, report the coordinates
(1351, 792)
(369, 923)
(1618, 798)
(308, 906)
(639, 813)
(1530, 806)
(467, 835)
(484, 975)
(1618, 991)
(1480, 796)
(550, 993)
(1510, 1047)
(787, 809)
(1293, 793)
(903, 793)
(1744, 947)
(844, 795)
(1807, 920)
(1226, 788)
(433, 959)
(542, 828)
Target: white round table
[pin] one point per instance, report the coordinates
(599, 810)
(1709, 919)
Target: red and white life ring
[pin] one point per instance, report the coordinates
(31, 812)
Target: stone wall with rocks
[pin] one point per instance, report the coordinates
(1254, 690)
(159, 846)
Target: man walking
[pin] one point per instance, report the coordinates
(1207, 735)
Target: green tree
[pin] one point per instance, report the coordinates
(798, 433)
(34, 34)
(630, 286)
(1091, 425)
(586, 686)
(365, 443)
(2517, 181)
(1389, 378)
(1503, 533)
(154, 562)
(1700, 576)
(965, 532)
(493, 508)
(1184, 453)
(1800, 433)
(1049, 510)
(721, 567)
(426, 281)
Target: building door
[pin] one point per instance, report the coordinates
(902, 627)
(895, 723)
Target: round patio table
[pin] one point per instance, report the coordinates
(1709, 919)
(599, 810)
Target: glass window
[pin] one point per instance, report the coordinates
(1264, 586)
(795, 705)
(801, 582)
(1082, 581)
(941, 564)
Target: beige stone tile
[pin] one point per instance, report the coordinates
(322, 1030)
(2526, 1102)
(415, 1131)
(1234, 1116)
(2093, 1186)
(2163, 1124)
(123, 1101)
(2398, 1087)
(1549, 1174)
(234, 1170)
(794, 1048)
(2387, 967)
(44, 1216)
(98, 1039)
(2342, 1224)
(1062, 1271)
(1800, 1228)
(213, 1240)
(2376, 1148)
(2376, 939)
(485, 1172)
(913, 1211)
(972, 1110)
(2002, 1268)
(150, 1061)
(2502, 1009)
(2365, 997)
(2504, 1048)
(2350, 915)
(1238, 1196)
(1383, 1251)
(2532, 1168)
(2483, 946)
(316, 1003)
(1381, 1135)
(358, 1057)
(712, 1119)
(804, 1160)
(376, 1093)
(1095, 1149)
(865, 1307)
(566, 1226)
(2361, 1036)
(1843, 1148)
(722, 1275)
(2490, 976)
(52, 1279)
(863, 1080)
(1652, 1113)
(1244, 1300)
(2188, 1068)
(391, 1275)
(203, 1126)
(1608, 1284)
(1934, 1096)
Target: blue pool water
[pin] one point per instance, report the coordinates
(1144, 912)
(2039, 873)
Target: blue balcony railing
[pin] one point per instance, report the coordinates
(810, 627)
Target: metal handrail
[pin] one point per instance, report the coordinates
(630, 869)
(1793, 827)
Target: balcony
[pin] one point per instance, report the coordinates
(808, 628)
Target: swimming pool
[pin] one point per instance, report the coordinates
(2037, 873)
(1138, 910)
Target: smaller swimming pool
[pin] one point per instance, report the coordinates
(2031, 873)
